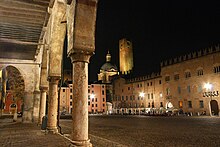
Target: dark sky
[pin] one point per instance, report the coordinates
(158, 29)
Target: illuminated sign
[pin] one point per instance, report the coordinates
(211, 94)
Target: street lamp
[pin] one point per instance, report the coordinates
(142, 94)
(92, 96)
(208, 86)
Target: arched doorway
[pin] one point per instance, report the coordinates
(15, 90)
(214, 107)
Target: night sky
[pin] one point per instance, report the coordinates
(158, 29)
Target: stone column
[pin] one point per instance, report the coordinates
(43, 85)
(81, 20)
(53, 104)
(36, 105)
(43, 100)
(28, 107)
(80, 99)
(3, 91)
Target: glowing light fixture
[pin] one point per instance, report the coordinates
(141, 94)
(92, 96)
(208, 86)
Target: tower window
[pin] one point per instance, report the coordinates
(199, 72)
(216, 69)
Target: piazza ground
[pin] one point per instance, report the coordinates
(147, 131)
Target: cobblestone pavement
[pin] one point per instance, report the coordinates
(152, 131)
(119, 131)
(17, 134)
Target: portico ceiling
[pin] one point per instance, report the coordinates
(21, 27)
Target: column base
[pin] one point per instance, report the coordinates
(81, 143)
(53, 130)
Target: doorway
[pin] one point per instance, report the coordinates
(214, 107)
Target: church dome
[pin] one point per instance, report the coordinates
(109, 67)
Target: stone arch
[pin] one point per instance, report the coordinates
(30, 71)
(14, 83)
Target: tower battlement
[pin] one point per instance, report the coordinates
(191, 55)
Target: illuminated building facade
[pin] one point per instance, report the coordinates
(126, 56)
(138, 95)
(96, 99)
(188, 85)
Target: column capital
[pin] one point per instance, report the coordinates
(36, 91)
(79, 55)
(53, 79)
(43, 88)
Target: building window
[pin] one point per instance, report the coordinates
(71, 90)
(161, 104)
(71, 103)
(189, 104)
(160, 82)
(122, 97)
(201, 104)
(126, 97)
(176, 77)
(168, 91)
(199, 88)
(179, 89)
(103, 99)
(188, 89)
(128, 88)
(96, 105)
(216, 69)
(187, 74)
(167, 78)
(88, 102)
(103, 86)
(180, 104)
(148, 95)
(148, 105)
(152, 95)
(103, 92)
(92, 86)
(199, 72)
(103, 105)
(63, 90)
(131, 97)
(151, 83)
(71, 96)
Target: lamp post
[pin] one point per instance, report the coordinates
(208, 87)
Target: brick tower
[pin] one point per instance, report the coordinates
(126, 56)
